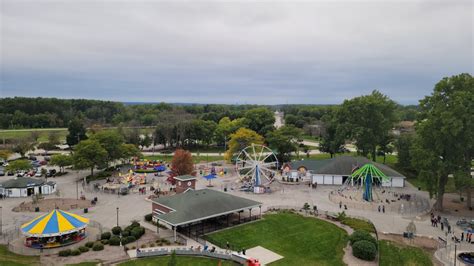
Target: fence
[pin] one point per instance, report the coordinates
(191, 252)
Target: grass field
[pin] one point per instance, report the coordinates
(358, 224)
(300, 240)
(25, 133)
(393, 254)
(181, 261)
(88, 263)
(8, 258)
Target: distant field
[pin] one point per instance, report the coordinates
(24, 133)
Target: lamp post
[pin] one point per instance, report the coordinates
(117, 216)
(1, 221)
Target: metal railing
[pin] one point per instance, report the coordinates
(190, 252)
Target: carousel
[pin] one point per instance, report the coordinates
(55, 229)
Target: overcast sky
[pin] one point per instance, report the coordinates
(317, 52)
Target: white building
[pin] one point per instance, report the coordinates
(26, 187)
(337, 171)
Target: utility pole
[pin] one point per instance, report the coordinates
(1, 221)
(117, 216)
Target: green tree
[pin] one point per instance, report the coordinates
(145, 141)
(226, 127)
(403, 145)
(444, 142)
(367, 119)
(332, 140)
(385, 146)
(284, 141)
(130, 150)
(241, 139)
(89, 154)
(19, 165)
(173, 260)
(22, 146)
(61, 160)
(112, 142)
(77, 132)
(260, 120)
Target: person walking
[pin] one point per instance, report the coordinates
(462, 236)
(449, 228)
(379, 208)
(442, 227)
(383, 208)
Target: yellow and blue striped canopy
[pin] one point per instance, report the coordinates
(55, 223)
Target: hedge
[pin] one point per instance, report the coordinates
(128, 239)
(89, 244)
(97, 246)
(362, 235)
(105, 235)
(149, 217)
(83, 249)
(114, 241)
(75, 252)
(364, 250)
(116, 230)
(64, 253)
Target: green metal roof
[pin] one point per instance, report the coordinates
(21, 182)
(312, 165)
(343, 165)
(197, 205)
(185, 177)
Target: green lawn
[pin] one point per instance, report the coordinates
(416, 182)
(300, 240)
(393, 254)
(89, 263)
(181, 261)
(358, 224)
(8, 258)
(24, 133)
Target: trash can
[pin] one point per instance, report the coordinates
(37, 209)
(95, 199)
(86, 210)
(225, 189)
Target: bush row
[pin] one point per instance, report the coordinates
(364, 245)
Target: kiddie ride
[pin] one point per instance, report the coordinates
(151, 166)
(132, 179)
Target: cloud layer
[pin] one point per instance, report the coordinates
(232, 52)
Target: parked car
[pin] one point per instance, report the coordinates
(38, 174)
(51, 173)
(2, 171)
(43, 162)
(10, 173)
(47, 158)
(20, 174)
(32, 157)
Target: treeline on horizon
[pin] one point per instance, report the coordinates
(25, 112)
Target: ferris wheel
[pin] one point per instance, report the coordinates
(257, 163)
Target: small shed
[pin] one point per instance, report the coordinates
(26, 187)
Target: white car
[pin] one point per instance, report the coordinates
(38, 174)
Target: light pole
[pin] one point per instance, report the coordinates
(455, 247)
(1, 221)
(117, 216)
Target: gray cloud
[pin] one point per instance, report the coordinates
(232, 52)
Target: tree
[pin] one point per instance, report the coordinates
(182, 162)
(145, 141)
(260, 120)
(444, 141)
(22, 146)
(332, 140)
(173, 261)
(367, 119)
(77, 132)
(130, 150)
(4, 154)
(34, 135)
(240, 139)
(89, 154)
(61, 160)
(385, 146)
(112, 142)
(284, 141)
(403, 145)
(19, 165)
(227, 127)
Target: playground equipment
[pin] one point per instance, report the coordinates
(132, 179)
(256, 163)
(366, 176)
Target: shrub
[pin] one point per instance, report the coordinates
(97, 246)
(83, 249)
(104, 241)
(114, 241)
(135, 224)
(126, 248)
(105, 235)
(75, 252)
(130, 239)
(364, 250)
(362, 235)
(116, 230)
(149, 217)
(125, 233)
(143, 246)
(136, 232)
(152, 245)
(64, 253)
(133, 247)
(89, 244)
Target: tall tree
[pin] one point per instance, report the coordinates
(61, 160)
(112, 142)
(23, 145)
(182, 162)
(260, 120)
(367, 119)
(226, 127)
(284, 141)
(445, 140)
(241, 139)
(19, 165)
(4, 154)
(403, 145)
(332, 140)
(89, 154)
(77, 132)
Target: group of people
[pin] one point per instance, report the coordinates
(382, 208)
